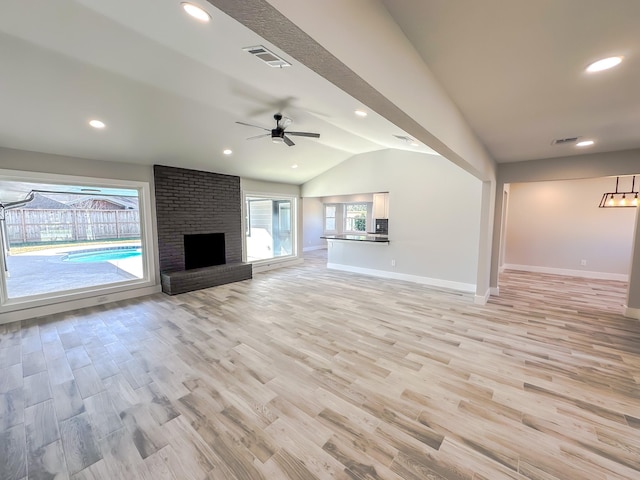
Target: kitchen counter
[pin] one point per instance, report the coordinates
(372, 238)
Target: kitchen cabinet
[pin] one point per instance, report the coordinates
(381, 205)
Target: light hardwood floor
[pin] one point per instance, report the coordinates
(304, 373)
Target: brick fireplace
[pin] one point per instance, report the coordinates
(201, 210)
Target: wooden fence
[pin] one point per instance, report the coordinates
(48, 226)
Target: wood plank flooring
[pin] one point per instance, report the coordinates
(304, 373)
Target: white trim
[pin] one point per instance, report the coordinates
(434, 282)
(482, 299)
(632, 312)
(324, 218)
(494, 291)
(295, 217)
(367, 218)
(65, 300)
(314, 247)
(100, 299)
(272, 264)
(570, 273)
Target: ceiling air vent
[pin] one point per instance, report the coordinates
(564, 141)
(404, 138)
(267, 56)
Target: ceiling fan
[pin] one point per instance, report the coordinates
(278, 134)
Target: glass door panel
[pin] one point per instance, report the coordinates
(269, 232)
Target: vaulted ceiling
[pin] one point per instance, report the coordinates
(170, 89)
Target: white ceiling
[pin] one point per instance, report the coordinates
(515, 68)
(171, 89)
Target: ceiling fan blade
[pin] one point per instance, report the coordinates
(304, 134)
(249, 125)
(287, 140)
(259, 136)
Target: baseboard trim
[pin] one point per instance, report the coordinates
(569, 273)
(265, 267)
(61, 307)
(314, 247)
(482, 299)
(495, 291)
(434, 282)
(632, 312)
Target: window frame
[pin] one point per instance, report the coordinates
(324, 218)
(294, 202)
(146, 241)
(367, 215)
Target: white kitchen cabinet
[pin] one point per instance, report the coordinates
(380, 205)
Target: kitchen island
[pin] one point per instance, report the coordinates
(369, 254)
(373, 238)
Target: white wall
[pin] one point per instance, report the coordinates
(43, 162)
(555, 225)
(258, 186)
(359, 197)
(312, 223)
(434, 212)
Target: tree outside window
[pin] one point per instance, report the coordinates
(355, 217)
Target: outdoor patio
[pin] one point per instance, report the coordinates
(46, 271)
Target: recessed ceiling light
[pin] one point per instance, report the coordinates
(414, 144)
(196, 12)
(97, 124)
(227, 151)
(604, 64)
(295, 165)
(585, 143)
(360, 113)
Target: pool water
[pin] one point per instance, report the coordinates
(104, 255)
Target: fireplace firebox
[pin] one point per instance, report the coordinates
(204, 250)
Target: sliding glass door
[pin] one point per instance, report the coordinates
(270, 227)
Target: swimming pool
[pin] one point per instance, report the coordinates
(103, 254)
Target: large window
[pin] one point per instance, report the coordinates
(355, 217)
(270, 227)
(69, 239)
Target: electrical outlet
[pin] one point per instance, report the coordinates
(583, 263)
(393, 263)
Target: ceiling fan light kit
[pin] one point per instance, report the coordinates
(279, 134)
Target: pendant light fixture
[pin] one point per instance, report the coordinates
(618, 199)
